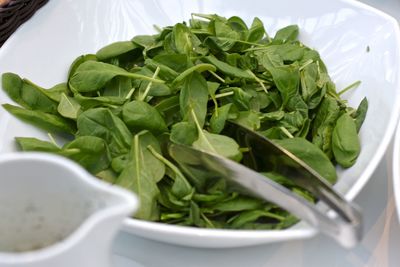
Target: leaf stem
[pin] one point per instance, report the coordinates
(308, 62)
(130, 93)
(200, 132)
(143, 97)
(261, 82)
(137, 161)
(286, 132)
(224, 94)
(245, 149)
(52, 140)
(169, 164)
(143, 77)
(351, 86)
(157, 28)
(217, 76)
(208, 222)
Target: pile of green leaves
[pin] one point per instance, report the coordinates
(121, 107)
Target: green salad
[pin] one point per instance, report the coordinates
(121, 107)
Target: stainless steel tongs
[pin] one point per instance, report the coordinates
(335, 216)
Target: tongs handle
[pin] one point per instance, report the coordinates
(344, 225)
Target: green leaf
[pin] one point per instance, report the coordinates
(287, 80)
(183, 133)
(90, 152)
(107, 175)
(183, 39)
(78, 61)
(100, 101)
(139, 115)
(46, 121)
(218, 144)
(57, 91)
(324, 122)
(248, 119)
(142, 173)
(311, 155)
(199, 68)
(219, 117)
(345, 142)
(257, 31)
(115, 49)
(360, 114)
(27, 94)
(92, 76)
(68, 107)
(228, 69)
(252, 216)
(119, 87)
(102, 123)
(194, 97)
(181, 188)
(288, 33)
(240, 203)
(34, 144)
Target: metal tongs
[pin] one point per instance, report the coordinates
(335, 216)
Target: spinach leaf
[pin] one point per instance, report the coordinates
(92, 76)
(139, 115)
(138, 177)
(287, 81)
(323, 125)
(102, 123)
(311, 155)
(68, 107)
(228, 69)
(345, 143)
(288, 33)
(34, 144)
(183, 133)
(78, 61)
(181, 188)
(27, 94)
(46, 121)
(219, 117)
(115, 49)
(360, 114)
(89, 151)
(256, 31)
(215, 143)
(194, 98)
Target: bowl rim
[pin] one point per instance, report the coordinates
(396, 169)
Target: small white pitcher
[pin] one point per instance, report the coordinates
(55, 214)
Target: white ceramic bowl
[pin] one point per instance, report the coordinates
(396, 169)
(357, 42)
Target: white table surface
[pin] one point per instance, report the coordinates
(380, 246)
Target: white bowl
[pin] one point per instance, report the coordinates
(396, 169)
(357, 42)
